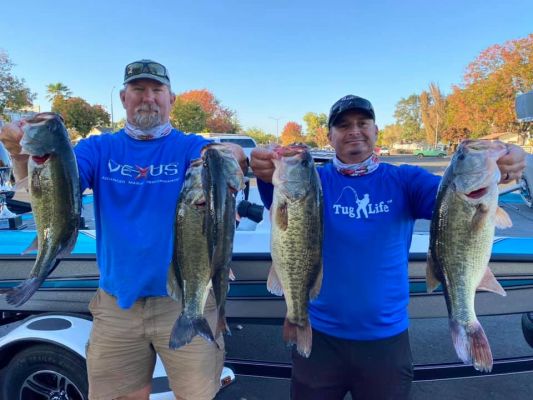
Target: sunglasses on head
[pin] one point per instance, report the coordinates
(140, 67)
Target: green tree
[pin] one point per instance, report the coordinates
(432, 110)
(80, 115)
(54, 90)
(260, 136)
(14, 93)
(390, 135)
(408, 118)
(317, 128)
(188, 116)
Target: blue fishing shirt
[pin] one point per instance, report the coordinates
(368, 225)
(136, 186)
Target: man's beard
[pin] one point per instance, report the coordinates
(147, 117)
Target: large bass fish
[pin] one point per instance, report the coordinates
(461, 237)
(204, 230)
(55, 199)
(296, 240)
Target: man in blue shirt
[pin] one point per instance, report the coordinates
(359, 320)
(136, 175)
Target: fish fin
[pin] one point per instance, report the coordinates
(315, 289)
(34, 245)
(222, 324)
(479, 218)
(432, 282)
(301, 336)
(471, 345)
(282, 216)
(273, 282)
(174, 289)
(186, 328)
(491, 284)
(20, 294)
(502, 219)
(231, 275)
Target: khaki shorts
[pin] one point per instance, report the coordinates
(122, 349)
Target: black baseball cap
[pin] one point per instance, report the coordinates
(350, 102)
(146, 69)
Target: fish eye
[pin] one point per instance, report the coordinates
(305, 163)
(461, 157)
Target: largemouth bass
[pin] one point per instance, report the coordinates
(222, 177)
(296, 240)
(461, 237)
(191, 268)
(55, 199)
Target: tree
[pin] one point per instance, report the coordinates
(409, 119)
(317, 128)
(485, 101)
(292, 133)
(188, 116)
(390, 135)
(260, 136)
(54, 90)
(14, 93)
(80, 115)
(218, 117)
(432, 110)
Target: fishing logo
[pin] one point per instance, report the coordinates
(350, 204)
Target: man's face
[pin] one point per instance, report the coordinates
(353, 136)
(147, 103)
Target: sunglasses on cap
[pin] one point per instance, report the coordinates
(145, 67)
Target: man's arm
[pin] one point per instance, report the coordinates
(11, 135)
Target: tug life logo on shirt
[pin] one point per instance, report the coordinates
(357, 206)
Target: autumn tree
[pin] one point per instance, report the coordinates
(432, 111)
(188, 116)
(317, 128)
(260, 136)
(80, 115)
(409, 119)
(218, 118)
(14, 93)
(292, 133)
(484, 103)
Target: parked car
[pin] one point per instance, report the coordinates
(246, 142)
(385, 151)
(429, 152)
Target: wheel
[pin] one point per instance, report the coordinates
(527, 328)
(46, 372)
(420, 155)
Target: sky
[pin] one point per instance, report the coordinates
(270, 61)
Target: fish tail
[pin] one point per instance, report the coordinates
(472, 345)
(302, 336)
(20, 294)
(222, 324)
(186, 328)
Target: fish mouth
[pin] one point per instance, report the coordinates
(40, 159)
(477, 194)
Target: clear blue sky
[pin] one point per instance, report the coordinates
(263, 59)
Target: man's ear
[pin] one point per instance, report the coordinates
(123, 97)
(172, 98)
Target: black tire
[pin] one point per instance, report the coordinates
(527, 328)
(420, 155)
(42, 372)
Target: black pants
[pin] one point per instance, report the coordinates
(369, 370)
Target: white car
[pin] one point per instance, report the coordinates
(385, 151)
(246, 142)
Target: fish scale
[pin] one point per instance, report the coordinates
(296, 241)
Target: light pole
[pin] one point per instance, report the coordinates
(277, 126)
(112, 122)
